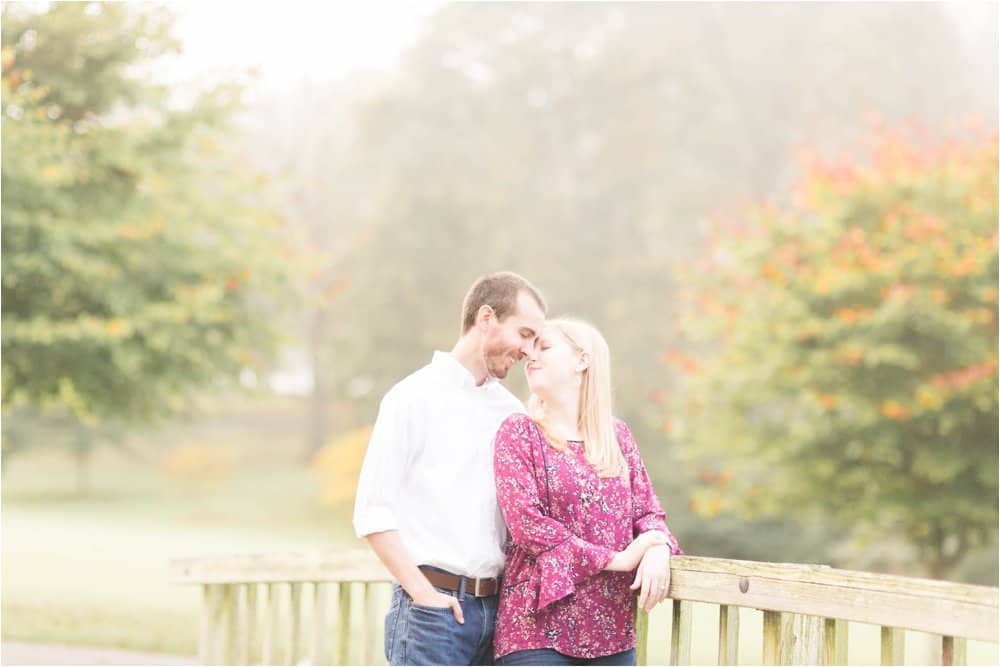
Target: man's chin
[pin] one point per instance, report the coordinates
(499, 373)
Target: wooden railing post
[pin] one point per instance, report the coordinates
(680, 634)
(229, 624)
(295, 632)
(952, 651)
(835, 642)
(271, 617)
(806, 640)
(317, 645)
(771, 648)
(371, 625)
(344, 624)
(251, 633)
(892, 646)
(729, 634)
(641, 619)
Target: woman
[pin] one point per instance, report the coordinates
(581, 513)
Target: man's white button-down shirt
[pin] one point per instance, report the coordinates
(428, 471)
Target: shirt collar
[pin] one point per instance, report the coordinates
(452, 369)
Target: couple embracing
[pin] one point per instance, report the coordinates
(516, 534)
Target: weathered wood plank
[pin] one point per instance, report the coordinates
(371, 624)
(952, 651)
(835, 642)
(294, 566)
(242, 624)
(680, 633)
(771, 647)
(294, 646)
(317, 647)
(826, 575)
(344, 624)
(229, 623)
(729, 634)
(641, 619)
(252, 613)
(892, 646)
(272, 617)
(806, 640)
(963, 611)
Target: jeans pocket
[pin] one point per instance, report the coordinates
(430, 636)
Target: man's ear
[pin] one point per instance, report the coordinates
(484, 315)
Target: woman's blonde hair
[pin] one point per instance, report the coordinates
(596, 423)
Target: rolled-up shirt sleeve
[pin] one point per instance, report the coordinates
(647, 513)
(389, 451)
(563, 559)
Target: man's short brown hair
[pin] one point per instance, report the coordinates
(498, 291)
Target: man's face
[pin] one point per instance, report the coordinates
(509, 341)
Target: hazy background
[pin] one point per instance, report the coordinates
(229, 229)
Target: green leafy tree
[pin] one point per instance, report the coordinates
(138, 256)
(846, 362)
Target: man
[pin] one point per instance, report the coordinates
(426, 499)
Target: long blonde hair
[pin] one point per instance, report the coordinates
(596, 423)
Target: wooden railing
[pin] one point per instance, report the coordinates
(301, 608)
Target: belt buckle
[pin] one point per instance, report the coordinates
(475, 590)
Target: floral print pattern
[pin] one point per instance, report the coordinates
(565, 525)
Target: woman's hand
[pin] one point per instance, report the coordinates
(628, 560)
(653, 577)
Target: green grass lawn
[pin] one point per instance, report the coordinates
(93, 570)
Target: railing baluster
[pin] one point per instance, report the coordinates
(317, 645)
(344, 623)
(206, 634)
(804, 640)
(680, 634)
(952, 651)
(251, 635)
(771, 653)
(835, 642)
(892, 646)
(641, 620)
(729, 634)
(295, 638)
(229, 624)
(271, 618)
(371, 624)
(241, 618)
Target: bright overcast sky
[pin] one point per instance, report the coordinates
(293, 41)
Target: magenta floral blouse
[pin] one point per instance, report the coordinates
(563, 533)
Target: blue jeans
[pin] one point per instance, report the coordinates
(417, 635)
(548, 656)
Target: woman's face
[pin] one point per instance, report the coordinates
(554, 365)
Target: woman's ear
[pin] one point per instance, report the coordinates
(584, 362)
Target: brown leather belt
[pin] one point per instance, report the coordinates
(480, 588)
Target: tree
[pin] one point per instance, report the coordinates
(845, 359)
(581, 145)
(138, 256)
